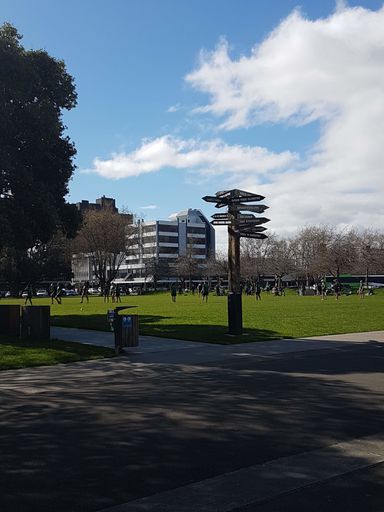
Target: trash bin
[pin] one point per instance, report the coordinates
(126, 330)
(35, 322)
(10, 320)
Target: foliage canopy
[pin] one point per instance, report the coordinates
(36, 157)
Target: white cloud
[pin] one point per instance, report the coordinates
(149, 207)
(327, 70)
(174, 108)
(211, 157)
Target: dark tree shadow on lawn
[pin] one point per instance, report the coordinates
(86, 436)
(165, 327)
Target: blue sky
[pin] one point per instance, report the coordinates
(131, 61)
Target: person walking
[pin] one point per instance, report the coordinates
(173, 292)
(84, 292)
(58, 293)
(29, 294)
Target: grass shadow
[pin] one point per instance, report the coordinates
(167, 327)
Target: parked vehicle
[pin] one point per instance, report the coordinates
(70, 293)
(94, 291)
(41, 293)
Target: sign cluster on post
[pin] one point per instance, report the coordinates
(245, 224)
(239, 224)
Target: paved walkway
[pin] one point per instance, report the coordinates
(163, 350)
(251, 423)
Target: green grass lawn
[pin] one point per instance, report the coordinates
(22, 354)
(190, 319)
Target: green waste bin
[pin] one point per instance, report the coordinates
(35, 322)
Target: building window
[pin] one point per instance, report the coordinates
(149, 229)
(169, 228)
(168, 239)
(197, 231)
(149, 239)
(169, 250)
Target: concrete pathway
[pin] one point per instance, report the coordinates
(252, 422)
(163, 350)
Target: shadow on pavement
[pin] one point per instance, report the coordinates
(87, 436)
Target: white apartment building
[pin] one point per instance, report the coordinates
(189, 233)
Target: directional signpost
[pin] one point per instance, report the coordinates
(239, 225)
(257, 208)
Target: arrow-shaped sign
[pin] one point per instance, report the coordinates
(257, 208)
(245, 216)
(214, 199)
(235, 192)
(223, 193)
(251, 229)
(246, 199)
(221, 216)
(259, 236)
(221, 222)
(255, 222)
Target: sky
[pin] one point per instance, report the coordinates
(178, 99)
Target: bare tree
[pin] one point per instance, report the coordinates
(217, 267)
(370, 252)
(186, 267)
(104, 237)
(156, 268)
(255, 255)
(310, 250)
(280, 260)
(337, 250)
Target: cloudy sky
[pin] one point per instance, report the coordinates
(180, 99)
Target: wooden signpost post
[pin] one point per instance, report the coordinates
(239, 225)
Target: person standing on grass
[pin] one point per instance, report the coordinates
(84, 292)
(323, 289)
(173, 292)
(360, 291)
(29, 292)
(205, 291)
(52, 291)
(336, 288)
(113, 292)
(106, 291)
(257, 291)
(118, 293)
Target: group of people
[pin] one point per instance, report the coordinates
(113, 291)
(56, 291)
(202, 291)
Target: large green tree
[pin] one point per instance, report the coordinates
(36, 157)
